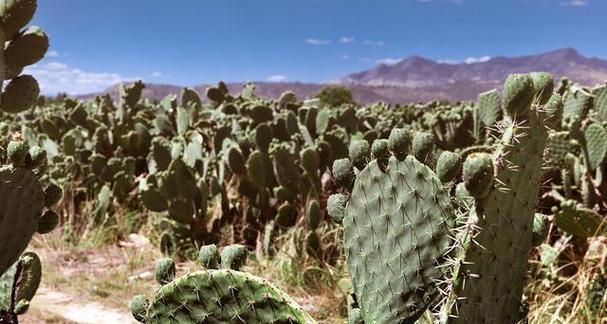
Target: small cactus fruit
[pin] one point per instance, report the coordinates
(219, 296)
(164, 270)
(448, 166)
(19, 285)
(540, 229)
(359, 152)
(139, 308)
(543, 85)
(233, 257)
(399, 143)
(423, 145)
(343, 171)
(20, 94)
(336, 207)
(17, 150)
(209, 257)
(396, 228)
(355, 316)
(519, 92)
(478, 174)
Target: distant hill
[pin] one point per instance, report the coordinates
(417, 79)
(419, 72)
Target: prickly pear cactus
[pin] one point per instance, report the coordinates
(218, 296)
(22, 204)
(22, 48)
(18, 286)
(489, 281)
(396, 231)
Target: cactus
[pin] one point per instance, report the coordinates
(23, 202)
(218, 296)
(596, 145)
(488, 283)
(18, 286)
(396, 214)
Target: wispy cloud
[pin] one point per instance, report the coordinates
(347, 39)
(468, 60)
(52, 53)
(345, 57)
(373, 43)
(364, 59)
(277, 78)
(316, 41)
(157, 74)
(388, 61)
(574, 3)
(55, 77)
(471, 60)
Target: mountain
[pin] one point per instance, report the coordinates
(419, 72)
(417, 79)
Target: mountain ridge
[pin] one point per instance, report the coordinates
(418, 79)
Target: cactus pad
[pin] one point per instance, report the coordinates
(397, 228)
(20, 211)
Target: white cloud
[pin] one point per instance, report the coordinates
(472, 60)
(574, 3)
(468, 60)
(347, 39)
(52, 54)
(55, 77)
(345, 57)
(157, 74)
(373, 43)
(277, 78)
(388, 61)
(316, 41)
(364, 59)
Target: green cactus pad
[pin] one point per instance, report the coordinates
(576, 105)
(233, 256)
(19, 284)
(396, 232)
(423, 145)
(540, 229)
(139, 308)
(519, 92)
(20, 211)
(222, 296)
(600, 102)
(380, 151)
(596, 145)
(399, 143)
(543, 85)
(489, 107)
(48, 222)
(579, 221)
(26, 48)
(359, 152)
(343, 171)
(164, 270)
(209, 257)
(448, 166)
(478, 174)
(15, 14)
(314, 215)
(559, 144)
(336, 207)
(20, 94)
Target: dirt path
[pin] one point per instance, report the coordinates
(69, 308)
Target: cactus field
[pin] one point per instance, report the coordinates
(298, 211)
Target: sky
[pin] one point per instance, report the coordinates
(97, 43)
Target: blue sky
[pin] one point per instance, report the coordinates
(95, 43)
